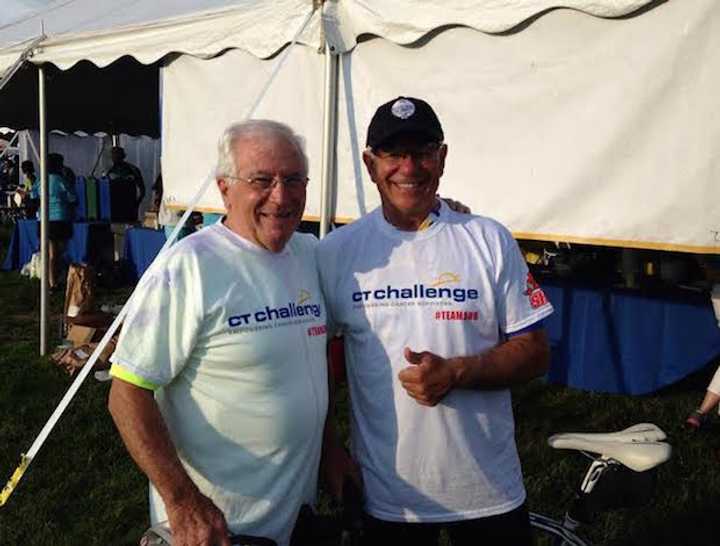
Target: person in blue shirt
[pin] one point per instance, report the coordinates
(61, 211)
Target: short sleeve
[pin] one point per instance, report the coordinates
(520, 300)
(162, 325)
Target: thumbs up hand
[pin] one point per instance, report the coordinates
(428, 378)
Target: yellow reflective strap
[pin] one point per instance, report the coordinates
(14, 479)
(129, 377)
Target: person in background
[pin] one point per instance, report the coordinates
(27, 168)
(14, 174)
(66, 172)
(61, 210)
(699, 417)
(440, 317)
(5, 168)
(122, 172)
(28, 192)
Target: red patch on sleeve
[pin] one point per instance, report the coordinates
(534, 293)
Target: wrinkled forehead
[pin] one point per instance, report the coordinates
(268, 153)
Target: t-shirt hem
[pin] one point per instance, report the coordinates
(448, 516)
(543, 313)
(122, 369)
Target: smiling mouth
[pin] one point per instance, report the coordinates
(283, 215)
(410, 185)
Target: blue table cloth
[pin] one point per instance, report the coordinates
(25, 242)
(618, 341)
(141, 247)
(81, 206)
(104, 199)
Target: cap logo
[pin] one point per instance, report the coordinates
(402, 108)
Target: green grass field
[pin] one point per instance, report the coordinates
(82, 488)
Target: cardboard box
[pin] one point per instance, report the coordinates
(151, 220)
(80, 335)
(98, 319)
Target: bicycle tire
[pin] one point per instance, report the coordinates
(557, 534)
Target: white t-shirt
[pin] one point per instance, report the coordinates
(453, 289)
(235, 338)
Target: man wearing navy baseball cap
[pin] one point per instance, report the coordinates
(440, 317)
(403, 115)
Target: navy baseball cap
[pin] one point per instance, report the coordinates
(403, 115)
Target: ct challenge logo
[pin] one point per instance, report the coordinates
(445, 290)
(302, 310)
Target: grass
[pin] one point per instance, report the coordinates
(82, 488)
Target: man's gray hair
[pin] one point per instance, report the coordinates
(253, 127)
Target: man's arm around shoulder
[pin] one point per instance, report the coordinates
(194, 519)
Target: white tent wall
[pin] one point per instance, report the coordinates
(79, 152)
(202, 97)
(85, 153)
(576, 128)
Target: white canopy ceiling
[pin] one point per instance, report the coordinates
(102, 31)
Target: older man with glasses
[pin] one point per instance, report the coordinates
(220, 382)
(440, 317)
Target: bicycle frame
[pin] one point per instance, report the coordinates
(564, 535)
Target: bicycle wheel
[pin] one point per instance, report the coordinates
(550, 532)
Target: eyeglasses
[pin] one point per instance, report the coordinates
(266, 182)
(395, 156)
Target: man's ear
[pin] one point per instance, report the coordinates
(223, 187)
(443, 154)
(369, 161)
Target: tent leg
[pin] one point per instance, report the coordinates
(327, 180)
(44, 292)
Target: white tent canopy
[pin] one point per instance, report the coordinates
(104, 31)
(406, 21)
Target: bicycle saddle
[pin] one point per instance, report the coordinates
(639, 447)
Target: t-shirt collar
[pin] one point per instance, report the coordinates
(428, 228)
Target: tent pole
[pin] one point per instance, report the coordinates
(10, 72)
(44, 299)
(327, 179)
